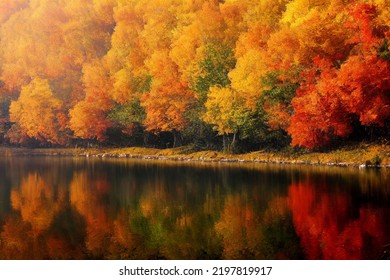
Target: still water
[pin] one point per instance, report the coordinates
(67, 208)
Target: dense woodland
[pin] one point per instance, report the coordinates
(237, 74)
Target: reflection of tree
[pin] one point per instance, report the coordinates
(16, 241)
(65, 238)
(238, 227)
(279, 237)
(249, 232)
(330, 228)
(173, 220)
(42, 225)
(107, 233)
(99, 211)
(36, 201)
(86, 196)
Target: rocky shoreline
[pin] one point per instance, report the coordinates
(205, 156)
(230, 160)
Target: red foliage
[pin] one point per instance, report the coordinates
(328, 229)
(327, 102)
(363, 15)
(318, 106)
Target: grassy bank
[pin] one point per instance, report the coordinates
(359, 155)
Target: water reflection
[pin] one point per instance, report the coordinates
(63, 208)
(330, 226)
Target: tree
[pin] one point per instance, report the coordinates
(226, 111)
(332, 97)
(126, 57)
(89, 117)
(168, 98)
(38, 113)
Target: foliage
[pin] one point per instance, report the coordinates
(214, 68)
(37, 113)
(225, 110)
(266, 71)
(125, 115)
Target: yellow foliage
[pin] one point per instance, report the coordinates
(246, 77)
(36, 111)
(225, 110)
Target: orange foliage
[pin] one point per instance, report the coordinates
(238, 228)
(37, 112)
(318, 112)
(19, 240)
(89, 116)
(8, 7)
(279, 116)
(168, 98)
(85, 197)
(36, 201)
(99, 56)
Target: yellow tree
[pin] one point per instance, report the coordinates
(37, 113)
(125, 58)
(201, 24)
(310, 29)
(261, 19)
(168, 96)
(225, 110)
(126, 66)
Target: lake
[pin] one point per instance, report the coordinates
(84, 208)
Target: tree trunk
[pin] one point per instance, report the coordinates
(225, 143)
(233, 144)
(145, 138)
(176, 139)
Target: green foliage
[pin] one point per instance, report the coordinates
(218, 61)
(260, 135)
(258, 126)
(198, 132)
(4, 112)
(376, 160)
(127, 114)
(384, 50)
(213, 70)
(141, 84)
(280, 238)
(277, 90)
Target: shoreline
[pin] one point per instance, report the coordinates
(364, 156)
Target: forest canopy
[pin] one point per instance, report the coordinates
(206, 72)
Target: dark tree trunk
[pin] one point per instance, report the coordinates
(177, 141)
(145, 139)
(233, 144)
(225, 143)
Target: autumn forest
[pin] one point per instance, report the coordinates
(233, 74)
